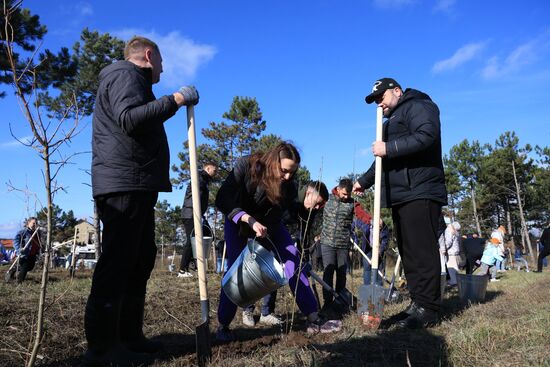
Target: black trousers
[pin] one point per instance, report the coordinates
(416, 224)
(26, 264)
(545, 252)
(334, 260)
(187, 254)
(128, 249)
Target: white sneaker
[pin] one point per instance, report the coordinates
(185, 274)
(495, 280)
(248, 319)
(270, 319)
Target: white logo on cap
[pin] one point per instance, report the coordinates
(375, 86)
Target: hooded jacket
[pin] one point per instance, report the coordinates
(412, 168)
(129, 146)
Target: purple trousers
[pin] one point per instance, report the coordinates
(289, 255)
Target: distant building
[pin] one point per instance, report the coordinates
(85, 233)
(7, 243)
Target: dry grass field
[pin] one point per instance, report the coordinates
(511, 328)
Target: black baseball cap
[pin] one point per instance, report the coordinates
(379, 87)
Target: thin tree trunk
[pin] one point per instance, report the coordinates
(474, 206)
(45, 269)
(522, 217)
(509, 222)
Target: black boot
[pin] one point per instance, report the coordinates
(131, 326)
(101, 323)
(420, 318)
(411, 308)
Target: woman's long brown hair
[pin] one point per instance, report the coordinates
(266, 169)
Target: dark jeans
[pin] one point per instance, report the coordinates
(26, 264)
(268, 304)
(128, 246)
(545, 252)
(416, 224)
(335, 260)
(317, 257)
(187, 254)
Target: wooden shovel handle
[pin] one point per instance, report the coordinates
(201, 268)
(377, 188)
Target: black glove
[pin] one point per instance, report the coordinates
(190, 95)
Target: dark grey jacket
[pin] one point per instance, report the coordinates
(187, 210)
(129, 145)
(337, 218)
(412, 168)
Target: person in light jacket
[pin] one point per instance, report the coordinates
(449, 246)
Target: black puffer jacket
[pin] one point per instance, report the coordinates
(187, 210)
(412, 168)
(238, 193)
(129, 145)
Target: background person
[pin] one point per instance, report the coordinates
(473, 246)
(491, 255)
(130, 166)
(205, 177)
(545, 242)
(335, 237)
(26, 254)
(449, 246)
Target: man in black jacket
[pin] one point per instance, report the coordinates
(130, 165)
(413, 185)
(205, 176)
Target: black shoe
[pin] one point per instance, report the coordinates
(419, 319)
(101, 325)
(116, 356)
(131, 326)
(411, 308)
(537, 271)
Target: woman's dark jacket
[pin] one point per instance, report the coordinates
(412, 168)
(129, 145)
(238, 194)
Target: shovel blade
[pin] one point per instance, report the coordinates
(202, 340)
(370, 305)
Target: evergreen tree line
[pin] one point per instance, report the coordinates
(500, 184)
(480, 177)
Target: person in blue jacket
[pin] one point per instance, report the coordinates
(491, 255)
(27, 249)
(365, 240)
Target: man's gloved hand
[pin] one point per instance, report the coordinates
(190, 95)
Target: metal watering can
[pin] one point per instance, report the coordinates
(254, 274)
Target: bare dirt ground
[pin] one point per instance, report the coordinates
(511, 328)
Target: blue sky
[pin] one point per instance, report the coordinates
(310, 65)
